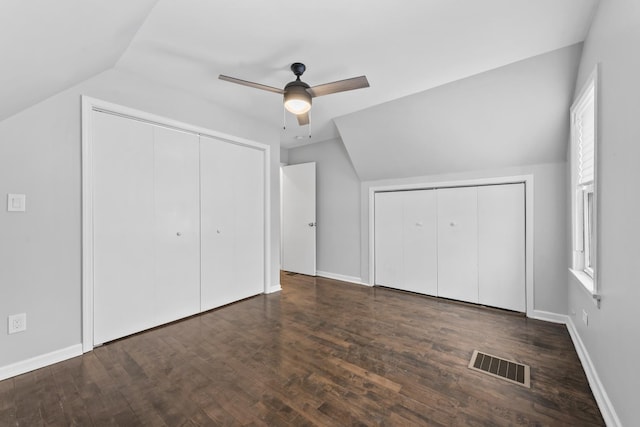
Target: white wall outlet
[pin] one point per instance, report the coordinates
(585, 317)
(17, 323)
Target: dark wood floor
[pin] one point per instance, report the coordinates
(320, 352)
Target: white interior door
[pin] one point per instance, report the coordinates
(388, 239)
(501, 250)
(299, 218)
(177, 225)
(124, 249)
(232, 222)
(458, 243)
(420, 242)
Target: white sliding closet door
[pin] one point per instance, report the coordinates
(232, 222)
(124, 249)
(388, 239)
(146, 225)
(420, 248)
(177, 225)
(406, 241)
(501, 246)
(458, 243)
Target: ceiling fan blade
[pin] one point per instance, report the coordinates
(250, 84)
(303, 119)
(339, 86)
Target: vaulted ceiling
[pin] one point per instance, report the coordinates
(404, 47)
(48, 46)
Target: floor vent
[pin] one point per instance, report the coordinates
(501, 368)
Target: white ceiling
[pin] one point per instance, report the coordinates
(48, 46)
(403, 47)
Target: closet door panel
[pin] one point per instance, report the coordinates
(388, 239)
(123, 234)
(458, 243)
(501, 246)
(177, 225)
(420, 249)
(217, 222)
(232, 222)
(249, 222)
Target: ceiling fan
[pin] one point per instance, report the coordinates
(298, 94)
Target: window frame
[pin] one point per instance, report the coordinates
(584, 210)
(588, 228)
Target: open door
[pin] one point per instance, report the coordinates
(299, 218)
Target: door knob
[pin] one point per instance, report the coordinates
(312, 224)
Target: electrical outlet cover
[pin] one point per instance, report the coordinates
(17, 323)
(16, 202)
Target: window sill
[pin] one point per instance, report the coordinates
(587, 285)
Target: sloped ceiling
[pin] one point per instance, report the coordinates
(48, 46)
(510, 116)
(404, 47)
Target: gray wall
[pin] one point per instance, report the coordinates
(511, 116)
(337, 209)
(549, 226)
(40, 250)
(612, 337)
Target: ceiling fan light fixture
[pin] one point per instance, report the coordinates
(297, 100)
(297, 94)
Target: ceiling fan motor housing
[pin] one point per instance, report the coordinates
(298, 68)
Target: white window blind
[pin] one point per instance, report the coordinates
(585, 123)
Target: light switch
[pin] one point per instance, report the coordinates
(16, 202)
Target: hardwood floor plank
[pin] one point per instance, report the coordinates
(319, 353)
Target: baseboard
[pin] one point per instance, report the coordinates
(274, 288)
(600, 394)
(341, 277)
(548, 316)
(41, 361)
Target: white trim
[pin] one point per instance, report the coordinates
(587, 285)
(342, 278)
(267, 219)
(548, 316)
(41, 361)
(602, 398)
(529, 220)
(87, 226)
(273, 289)
(89, 105)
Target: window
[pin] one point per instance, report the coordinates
(583, 181)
